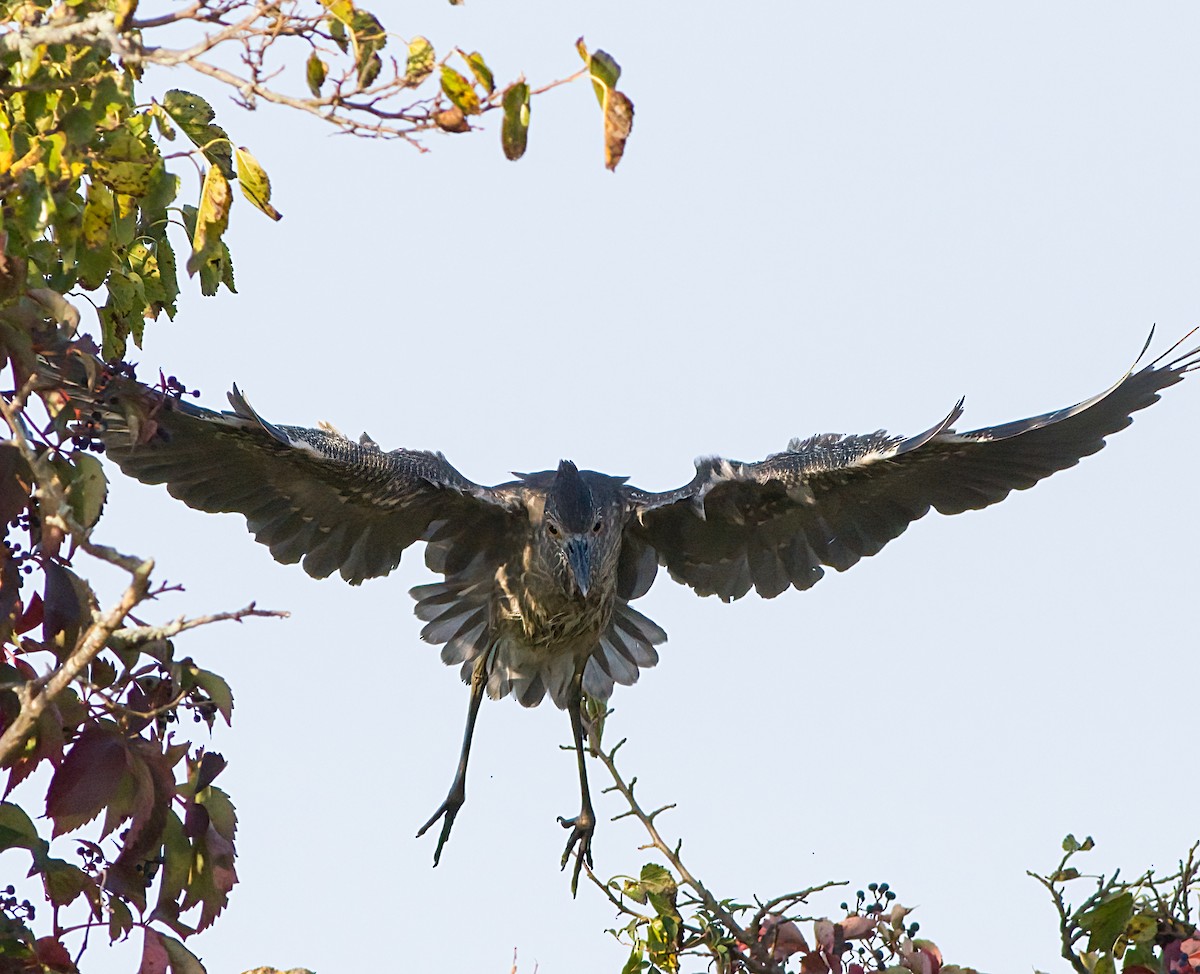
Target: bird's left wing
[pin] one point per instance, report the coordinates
(308, 494)
(830, 500)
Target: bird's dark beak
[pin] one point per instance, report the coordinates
(579, 560)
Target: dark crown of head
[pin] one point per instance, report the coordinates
(570, 498)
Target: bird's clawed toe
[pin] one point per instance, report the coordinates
(448, 810)
(582, 827)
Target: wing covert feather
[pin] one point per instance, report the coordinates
(309, 495)
(831, 500)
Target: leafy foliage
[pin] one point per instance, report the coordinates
(671, 915)
(97, 206)
(1147, 925)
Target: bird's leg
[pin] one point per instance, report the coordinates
(458, 790)
(584, 824)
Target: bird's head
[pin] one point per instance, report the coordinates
(579, 528)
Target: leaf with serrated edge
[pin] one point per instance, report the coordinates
(183, 961)
(212, 218)
(87, 489)
(1105, 922)
(86, 780)
(256, 186)
(218, 692)
(17, 830)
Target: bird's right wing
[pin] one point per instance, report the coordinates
(308, 494)
(831, 500)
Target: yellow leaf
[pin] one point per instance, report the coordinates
(256, 187)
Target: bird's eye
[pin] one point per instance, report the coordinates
(552, 528)
(597, 526)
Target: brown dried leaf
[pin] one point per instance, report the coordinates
(618, 123)
(451, 119)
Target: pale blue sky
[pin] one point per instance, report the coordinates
(830, 217)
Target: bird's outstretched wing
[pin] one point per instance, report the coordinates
(830, 500)
(308, 494)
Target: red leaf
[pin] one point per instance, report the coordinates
(782, 937)
(31, 617)
(857, 927)
(10, 594)
(52, 954)
(86, 780)
(154, 955)
(14, 483)
(63, 610)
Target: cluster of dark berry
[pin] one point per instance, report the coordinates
(23, 910)
(16, 553)
(93, 857)
(874, 901)
(87, 431)
(174, 388)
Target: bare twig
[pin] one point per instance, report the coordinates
(131, 637)
(760, 961)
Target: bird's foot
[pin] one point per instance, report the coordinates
(448, 810)
(582, 827)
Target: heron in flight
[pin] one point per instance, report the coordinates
(539, 574)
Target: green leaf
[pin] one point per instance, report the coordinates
(123, 314)
(177, 860)
(315, 72)
(218, 692)
(17, 830)
(120, 919)
(479, 68)
(63, 881)
(1105, 965)
(87, 489)
(1070, 843)
(657, 879)
(256, 186)
(164, 255)
(1107, 921)
(421, 60)
(1142, 929)
(605, 73)
(1065, 875)
(125, 159)
(636, 963)
(194, 115)
(97, 225)
(183, 961)
(162, 121)
(221, 812)
(164, 187)
(514, 131)
(460, 91)
(337, 31)
(212, 219)
(369, 37)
